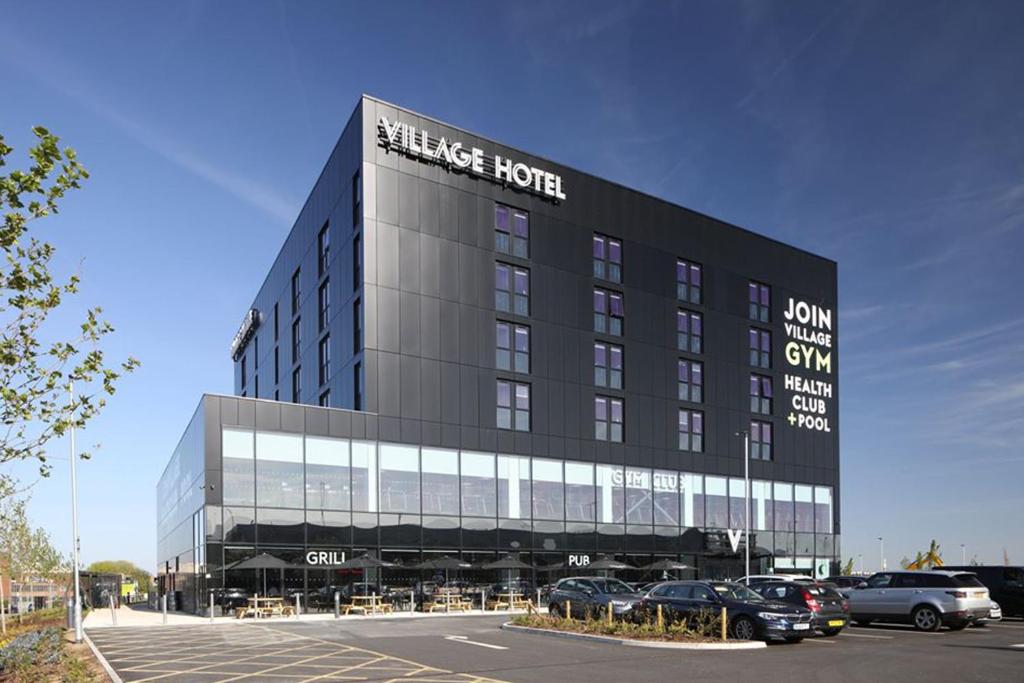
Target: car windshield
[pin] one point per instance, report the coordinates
(612, 586)
(968, 581)
(735, 591)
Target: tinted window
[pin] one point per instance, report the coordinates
(967, 580)
(679, 591)
(702, 593)
(1013, 576)
(880, 581)
(613, 586)
(774, 591)
(909, 581)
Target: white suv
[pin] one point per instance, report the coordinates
(926, 599)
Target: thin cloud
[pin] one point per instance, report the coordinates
(259, 195)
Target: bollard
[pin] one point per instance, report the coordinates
(661, 619)
(298, 604)
(373, 603)
(163, 607)
(538, 599)
(113, 612)
(211, 607)
(724, 623)
(337, 604)
(610, 612)
(568, 610)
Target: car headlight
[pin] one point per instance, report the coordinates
(772, 616)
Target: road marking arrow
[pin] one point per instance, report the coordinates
(467, 641)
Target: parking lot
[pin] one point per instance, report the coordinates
(468, 649)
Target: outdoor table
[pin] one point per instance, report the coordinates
(509, 601)
(450, 600)
(374, 602)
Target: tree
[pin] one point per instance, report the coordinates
(141, 576)
(35, 406)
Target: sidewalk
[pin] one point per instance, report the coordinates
(139, 616)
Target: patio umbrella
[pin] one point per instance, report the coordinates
(444, 562)
(664, 566)
(609, 563)
(507, 562)
(263, 561)
(366, 561)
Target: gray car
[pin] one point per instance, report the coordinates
(926, 599)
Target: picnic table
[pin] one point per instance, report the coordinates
(258, 607)
(374, 602)
(448, 601)
(509, 601)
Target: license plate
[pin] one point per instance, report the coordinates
(836, 622)
(801, 627)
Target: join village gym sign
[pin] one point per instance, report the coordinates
(452, 154)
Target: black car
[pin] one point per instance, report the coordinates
(1005, 586)
(592, 596)
(830, 610)
(749, 615)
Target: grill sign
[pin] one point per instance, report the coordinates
(325, 557)
(419, 144)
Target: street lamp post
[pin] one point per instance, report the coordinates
(746, 501)
(881, 554)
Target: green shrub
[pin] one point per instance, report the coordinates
(704, 627)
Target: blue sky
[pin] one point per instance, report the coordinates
(887, 136)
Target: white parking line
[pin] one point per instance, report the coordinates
(467, 641)
(864, 635)
(818, 640)
(1020, 645)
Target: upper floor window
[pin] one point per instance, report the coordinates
(608, 312)
(513, 347)
(760, 297)
(691, 381)
(276, 321)
(357, 198)
(760, 342)
(607, 419)
(296, 340)
(608, 365)
(760, 440)
(357, 386)
(607, 258)
(511, 289)
(761, 394)
(357, 326)
(513, 406)
(296, 384)
(691, 430)
(511, 231)
(325, 398)
(688, 282)
(357, 263)
(323, 305)
(689, 331)
(296, 291)
(324, 359)
(323, 248)
(245, 374)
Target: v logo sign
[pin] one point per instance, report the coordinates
(734, 538)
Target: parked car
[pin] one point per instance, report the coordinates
(1005, 586)
(593, 595)
(830, 610)
(775, 577)
(926, 599)
(845, 584)
(749, 615)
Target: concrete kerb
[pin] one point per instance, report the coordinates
(114, 678)
(658, 644)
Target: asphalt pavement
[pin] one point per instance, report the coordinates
(463, 649)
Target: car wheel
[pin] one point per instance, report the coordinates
(926, 618)
(743, 628)
(831, 633)
(554, 609)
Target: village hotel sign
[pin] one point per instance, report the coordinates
(419, 144)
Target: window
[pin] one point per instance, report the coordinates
(325, 398)
(357, 263)
(513, 406)
(761, 394)
(760, 348)
(690, 331)
(357, 198)
(244, 373)
(691, 430)
(760, 301)
(691, 381)
(688, 282)
(276, 318)
(511, 231)
(608, 312)
(357, 326)
(323, 305)
(256, 386)
(324, 359)
(607, 258)
(513, 347)
(323, 247)
(608, 365)
(296, 339)
(511, 289)
(607, 419)
(277, 365)
(760, 440)
(296, 291)
(296, 384)
(357, 384)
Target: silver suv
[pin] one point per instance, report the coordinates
(926, 599)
